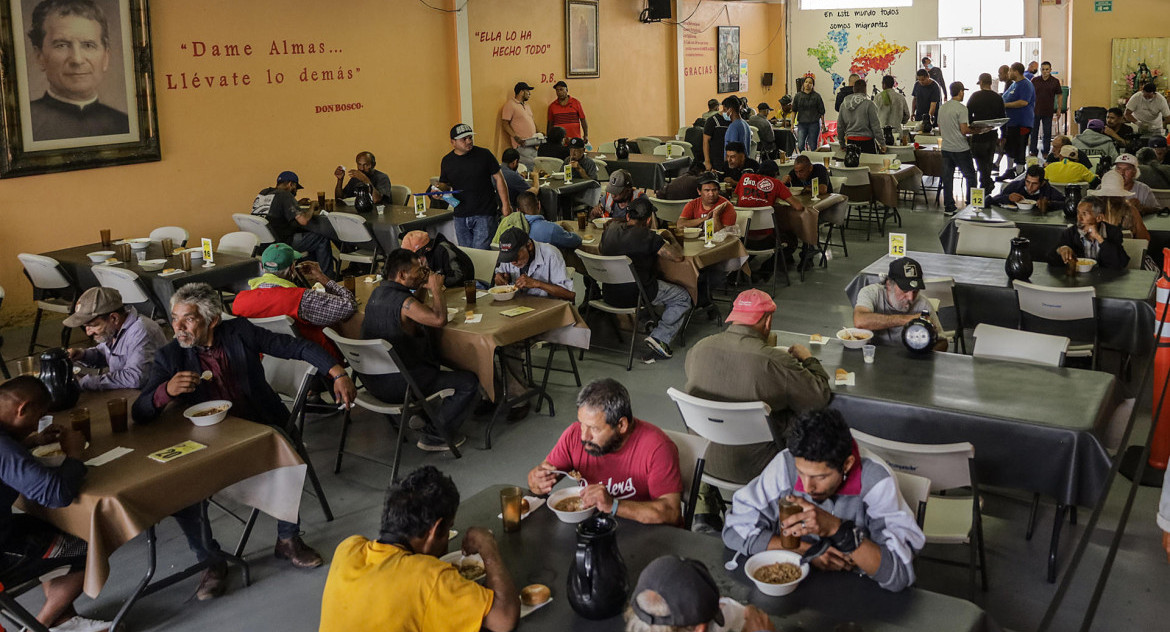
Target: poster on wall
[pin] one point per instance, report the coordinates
(76, 85)
(834, 44)
(728, 60)
(581, 54)
(743, 76)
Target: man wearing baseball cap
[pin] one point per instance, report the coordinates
(885, 307)
(517, 123)
(289, 220)
(1127, 166)
(741, 365)
(126, 341)
(566, 111)
(477, 188)
(679, 594)
(618, 194)
(535, 268)
(583, 166)
(277, 293)
(1069, 169)
(759, 121)
(439, 255)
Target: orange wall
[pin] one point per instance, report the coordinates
(222, 145)
(1091, 52)
(761, 42)
(634, 95)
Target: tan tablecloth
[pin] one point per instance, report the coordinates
(128, 495)
(473, 347)
(696, 256)
(805, 224)
(887, 183)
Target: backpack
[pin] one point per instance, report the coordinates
(262, 203)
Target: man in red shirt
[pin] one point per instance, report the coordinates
(709, 205)
(629, 468)
(763, 189)
(567, 112)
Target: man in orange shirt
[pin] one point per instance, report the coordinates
(566, 112)
(517, 123)
(709, 205)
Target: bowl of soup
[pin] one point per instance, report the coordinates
(208, 413)
(854, 338)
(776, 573)
(502, 292)
(567, 505)
(1085, 265)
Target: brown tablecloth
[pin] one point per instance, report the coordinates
(473, 347)
(805, 224)
(696, 256)
(128, 495)
(230, 272)
(887, 183)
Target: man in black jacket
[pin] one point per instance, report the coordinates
(210, 358)
(440, 256)
(1091, 238)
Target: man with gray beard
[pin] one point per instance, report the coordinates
(884, 308)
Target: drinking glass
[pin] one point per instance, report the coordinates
(79, 422)
(106, 241)
(510, 498)
(117, 410)
(867, 353)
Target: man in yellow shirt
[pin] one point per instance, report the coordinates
(1068, 170)
(398, 583)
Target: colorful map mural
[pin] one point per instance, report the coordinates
(877, 57)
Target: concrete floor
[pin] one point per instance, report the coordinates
(283, 598)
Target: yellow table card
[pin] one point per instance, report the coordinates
(516, 311)
(977, 198)
(170, 454)
(897, 244)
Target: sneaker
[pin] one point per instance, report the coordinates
(658, 347)
(213, 583)
(430, 443)
(417, 422)
(950, 211)
(519, 412)
(81, 624)
(707, 524)
(295, 550)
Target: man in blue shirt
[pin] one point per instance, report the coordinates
(738, 131)
(509, 162)
(542, 230)
(1020, 102)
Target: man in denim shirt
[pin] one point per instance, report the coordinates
(126, 341)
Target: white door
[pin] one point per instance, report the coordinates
(941, 54)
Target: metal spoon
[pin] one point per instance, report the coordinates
(578, 477)
(733, 564)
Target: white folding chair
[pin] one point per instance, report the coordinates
(668, 210)
(616, 270)
(725, 423)
(692, 450)
(52, 292)
(1002, 343)
(949, 519)
(256, 225)
(1136, 249)
(927, 141)
(352, 229)
(915, 491)
(177, 234)
(763, 218)
(129, 285)
(400, 195)
(688, 149)
(240, 243)
(483, 262)
(607, 148)
(549, 164)
(857, 188)
(1061, 311)
(1162, 196)
(602, 171)
(682, 132)
(377, 357)
(985, 239)
(646, 144)
(940, 291)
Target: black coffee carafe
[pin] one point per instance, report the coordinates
(621, 148)
(363, 200)
(57, 376)
(1073, 193)
(1018, 264)
(598, 582)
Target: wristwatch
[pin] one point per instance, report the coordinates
(848, 537)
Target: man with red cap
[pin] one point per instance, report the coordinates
(741, 365)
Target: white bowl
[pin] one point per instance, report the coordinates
(692, 232)
(140, 243)
(502, 292)
(192, 413)
(765, 558)
(853, 342)
(152, 265)
(1085, 267)
(99, 256)
(600, 222)
(558, 175)
(196, 253)
(1025, 205)
(571, 517)
(454, 558)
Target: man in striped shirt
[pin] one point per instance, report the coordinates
(567, 112)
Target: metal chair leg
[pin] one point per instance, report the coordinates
(1057, 523)
(32, 341)
(341, 443)
(1032, 516)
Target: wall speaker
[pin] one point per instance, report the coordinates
(658, 9)
(767, 80)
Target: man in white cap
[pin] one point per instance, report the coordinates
(1127, 166)
(1068, 169)
(618, 194)
(126, 342)
(885, 308)
(471, 177)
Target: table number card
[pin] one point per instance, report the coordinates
(208, 255)
(897, 244)
(977, 198)
(568, 173)
(181, 449)
(516, 311)
(815, 189)
(419, 205)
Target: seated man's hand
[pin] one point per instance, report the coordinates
(541, 479)
(50, 434)
(596, 212)
(756, 620)
(311, 271)
(800, 352)
(833, 560)
(811, 521)
(596, 495)
(480, 541)
(75, 354)
(344, 390)
(1066, 254)
(182, 382)
(72, 443)
(501, 278)
(359, 176)
(1016, 197)
(526, 282)
(339, 172)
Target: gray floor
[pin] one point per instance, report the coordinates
(288, 599)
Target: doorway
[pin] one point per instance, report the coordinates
(965, 59)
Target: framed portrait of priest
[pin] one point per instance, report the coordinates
(76, 85)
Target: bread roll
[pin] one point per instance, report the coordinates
(842, 374)
(535, 594)
(524, 506)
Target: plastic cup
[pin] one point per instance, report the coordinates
(320, 199)
(79, 422)
(117, 410)
(582, 221)
(105, 232)
(29, 365)
(168, 247)
(788, 509)
(510, 498)
(185, 260)
(350, 283)
(867, 353)
(330, 204)
(469, 292)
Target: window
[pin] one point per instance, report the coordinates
(825, 5)
(982, 18)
